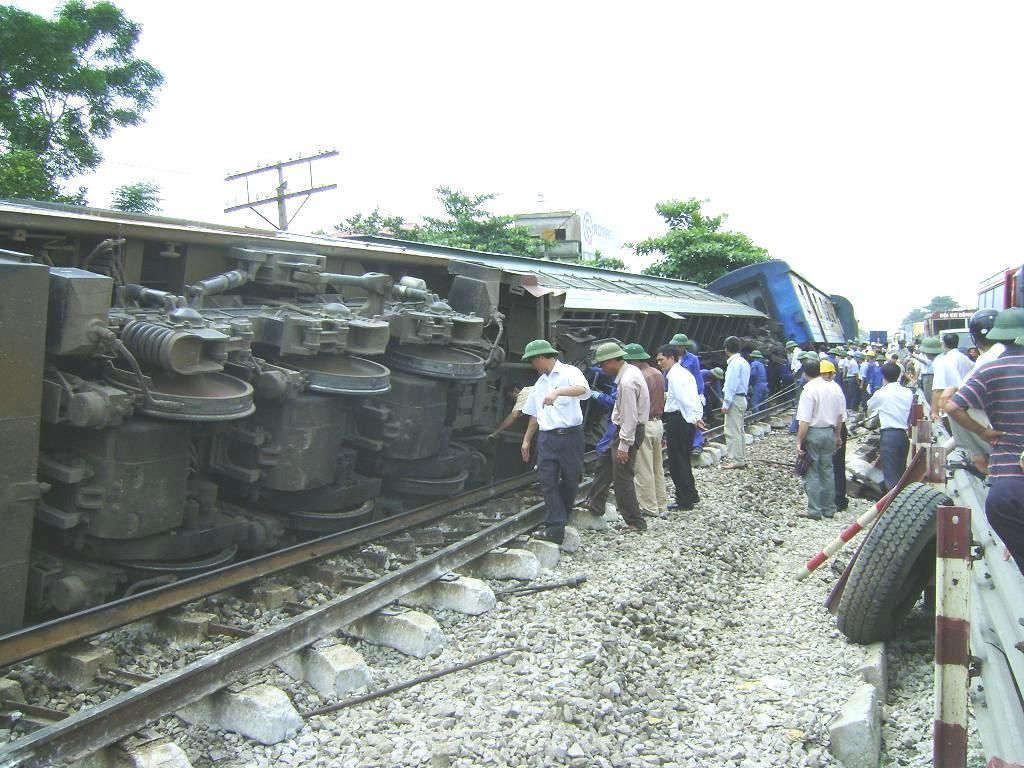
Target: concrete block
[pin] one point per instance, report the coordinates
(703, 460)
(262, 713)
(874, 669)
(856, 731)
(504, 564)
(431, 536)
(572, 541)
(409, 632)
(748, 440)
(333, 669)
(547, 552)
(462, 594)
(77, 665)
(403, 547)
(155, 754)
(186, 629)
(10, 690)
(584, 521)
(779, 424)
(332, 576)
(270, 597)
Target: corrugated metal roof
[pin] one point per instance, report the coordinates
(594, 288)
(584, 287)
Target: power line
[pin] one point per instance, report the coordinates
(280, 193)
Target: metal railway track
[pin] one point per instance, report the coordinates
(91, 729)
(32, 641)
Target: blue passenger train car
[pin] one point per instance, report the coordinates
(846, 317)
(806, 313)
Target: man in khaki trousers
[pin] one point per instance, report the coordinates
(650, 467)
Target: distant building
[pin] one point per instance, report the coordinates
(571, 235)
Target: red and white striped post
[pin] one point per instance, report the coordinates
(952, 636)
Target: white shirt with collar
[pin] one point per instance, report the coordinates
(681, 395)
(566, 411)
(955, 368)
(893, 403)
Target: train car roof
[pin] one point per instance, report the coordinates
(770, 268)
(584, 287)
(594, 288)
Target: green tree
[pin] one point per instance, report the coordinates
(377, 223)
(602, 262)
(65, 84)
(140, 197)
(915, 315)
(941, 304)
(470, 225)
(695, 247)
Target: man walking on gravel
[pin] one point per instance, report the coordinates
(632, 408)
(821, 413)
(734, 404)
(682, 418)
(554, 409)
(893, 403)
(650, 468)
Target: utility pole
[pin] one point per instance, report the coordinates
(281, 192)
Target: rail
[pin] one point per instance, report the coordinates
(30, 641)
(96, 727)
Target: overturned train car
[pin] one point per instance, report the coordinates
(179, 395)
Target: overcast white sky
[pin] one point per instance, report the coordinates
(874, 146)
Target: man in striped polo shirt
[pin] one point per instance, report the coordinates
(998, 389)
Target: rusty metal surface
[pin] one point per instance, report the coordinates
(96, 727)
(23, 644)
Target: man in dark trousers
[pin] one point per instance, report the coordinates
(892, 403)
(630, 414)
(554, 409)
(683, 411)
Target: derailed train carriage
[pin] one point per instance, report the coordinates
(177, 395)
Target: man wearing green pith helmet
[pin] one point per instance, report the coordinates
(554, 411)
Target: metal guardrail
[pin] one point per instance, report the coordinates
(997, 631)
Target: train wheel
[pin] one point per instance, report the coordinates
(893, 568)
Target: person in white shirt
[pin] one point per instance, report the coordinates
(892, 403)
(950, 369)
(734, 404)
(820, 413)
(554, 408)
(682, 417)
(793, 353)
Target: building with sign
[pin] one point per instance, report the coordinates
(571, 235)
(952, 320)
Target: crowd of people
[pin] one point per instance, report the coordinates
(666, 406)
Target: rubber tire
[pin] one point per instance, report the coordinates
(893, 568)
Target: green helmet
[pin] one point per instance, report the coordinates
(538, 347)
(608, 351)
(790, 344)
(756, 354)
(718, 373)
(635, 352)
(809, 356)
(933, 346)
(1008, 326)
(680, 340)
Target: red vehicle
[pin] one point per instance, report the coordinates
(1002, 290)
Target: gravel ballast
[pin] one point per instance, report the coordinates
(690, 645)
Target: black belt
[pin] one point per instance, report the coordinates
(563, 430)
(893, 429)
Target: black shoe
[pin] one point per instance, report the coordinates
(637, 526)
(554, 535)
(673, 507)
